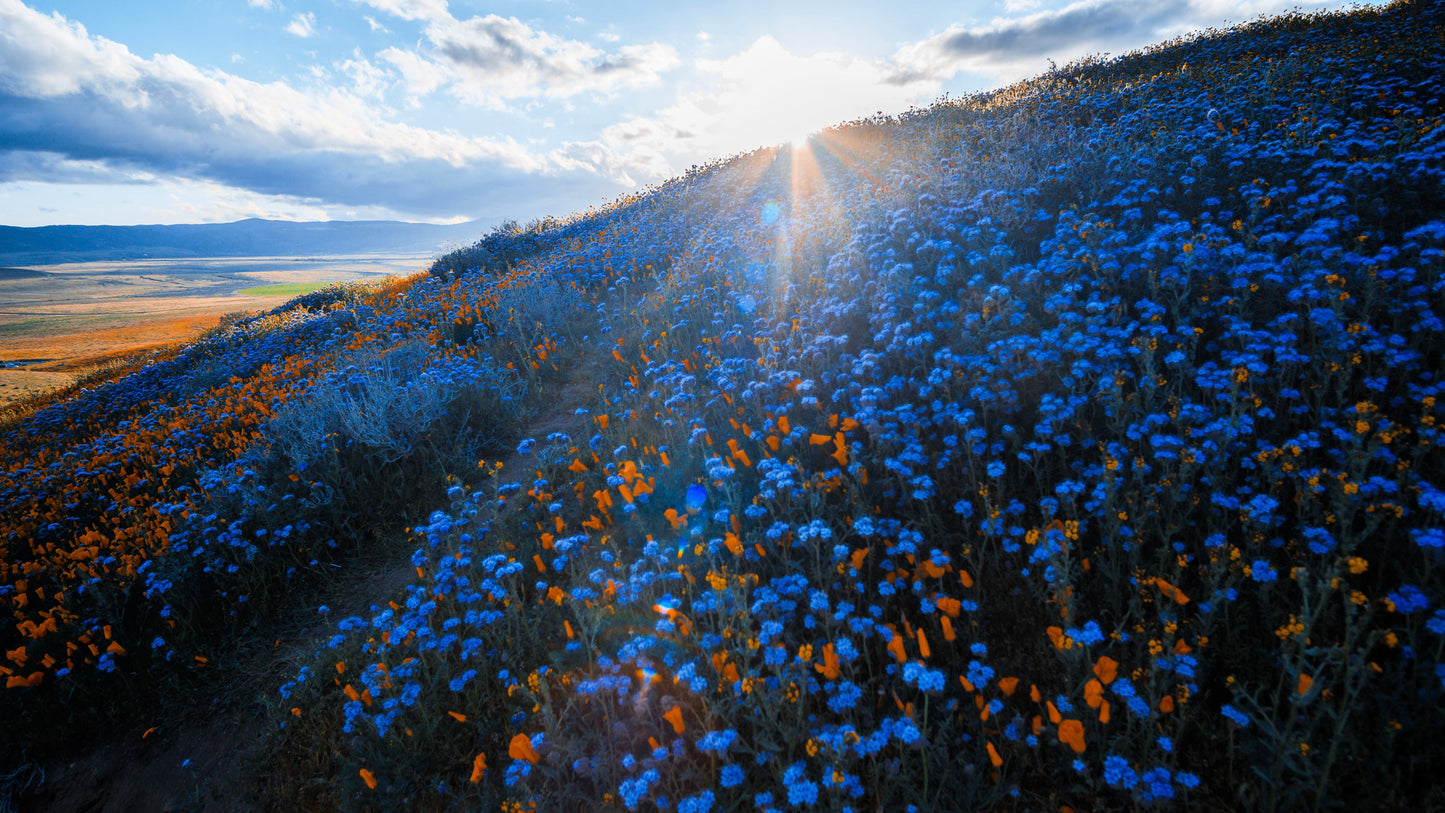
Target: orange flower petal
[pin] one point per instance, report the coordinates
(1071, 733)
(521, 748)
(1107, 669)
(1056, 636)
(895, 648)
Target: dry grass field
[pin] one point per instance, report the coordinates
(58, 322)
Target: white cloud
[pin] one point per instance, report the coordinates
(1010, 48)
(85, 107)
(29, 65)
(490, 60)
(376, 27)
(411, 9)
(302, 25)
(419, 75)
(762, 96)
(269, 5)
(366, 78)
(500, 58)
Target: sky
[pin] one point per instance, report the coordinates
(193, 111)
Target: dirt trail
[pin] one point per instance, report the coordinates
(208, 761)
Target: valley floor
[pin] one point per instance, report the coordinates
(58, 322)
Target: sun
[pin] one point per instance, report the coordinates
(799, 141)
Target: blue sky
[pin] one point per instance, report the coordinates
(185, 111)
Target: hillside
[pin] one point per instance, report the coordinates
(1070, 446)
(41, 245)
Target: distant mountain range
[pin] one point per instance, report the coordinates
(44, 245)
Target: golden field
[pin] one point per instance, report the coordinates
(58, 322)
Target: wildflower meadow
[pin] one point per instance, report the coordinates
(1070, 446)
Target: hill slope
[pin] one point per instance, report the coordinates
(1074, 445)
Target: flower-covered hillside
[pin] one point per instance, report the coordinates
(1070, 446)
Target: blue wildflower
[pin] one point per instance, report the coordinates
(1408, 599)
(1234, 714)
(1117, 772)
(1261, 571)
(732, 776)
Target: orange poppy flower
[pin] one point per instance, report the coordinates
(1305, 682)
(1056, 636)
(674, 716)
(521, 748)
(858, 557)
(1008, 685)
(1171, 591)
(829, 667)
(895, 648)
(734, 544)
(993, 756)
(1107, 669)
(479, 768)
(369, 778)
(1071, 733)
